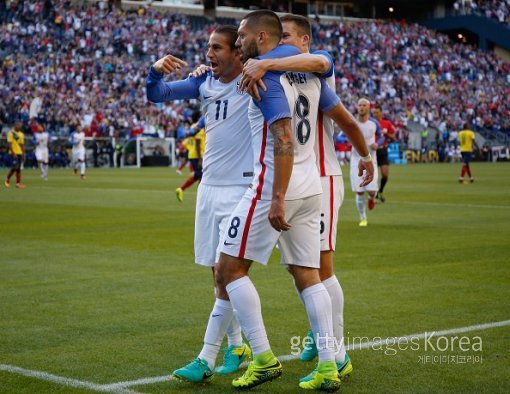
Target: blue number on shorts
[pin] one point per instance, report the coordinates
(302, 111)
(234, 225)
(322, 224)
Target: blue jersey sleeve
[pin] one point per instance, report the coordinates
(201, 122)
(328, 99)
(377, 125)
(331, 69)
(281, 51)
(200, 125)
(159, 91)
(273, 103)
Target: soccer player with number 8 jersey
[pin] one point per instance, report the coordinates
(286, 189)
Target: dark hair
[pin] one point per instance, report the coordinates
(302, 23)
(230, 32)
(267, 21)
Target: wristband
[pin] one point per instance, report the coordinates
(366, 158)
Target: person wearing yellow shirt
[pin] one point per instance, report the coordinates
(467, 140)
(195, 144)
(16, 141)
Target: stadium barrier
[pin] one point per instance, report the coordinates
(101, 152)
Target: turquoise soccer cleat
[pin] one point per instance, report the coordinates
(233, 358)
(197, 371)
(310, 350)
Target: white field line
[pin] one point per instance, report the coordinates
(359, 346)
(61, 380)
(122, 387)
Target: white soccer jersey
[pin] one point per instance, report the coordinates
(41, 140)
(78, 141)
(368, 129)
(302, 92)
(327, 161)
(228, 157)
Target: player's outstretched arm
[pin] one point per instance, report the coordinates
(169, 64)
(159, 91)
(349, 126)
(283, 162)
(255, 69)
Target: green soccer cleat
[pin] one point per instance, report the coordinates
(197, 371)
(256, 375)
(234, 356)
(344, 370)
(363, 223)
(322, 382)
(179, 194)
(310, 350)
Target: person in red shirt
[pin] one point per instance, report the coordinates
(387, 135)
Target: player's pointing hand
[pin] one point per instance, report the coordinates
(169, 64)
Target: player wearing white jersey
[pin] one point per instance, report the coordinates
(368, 128)
(227, 172)
(286, 189)
(77, 140)
(297, 32)
(41, 140)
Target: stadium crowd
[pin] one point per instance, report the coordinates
(498, 10)
(62, 64)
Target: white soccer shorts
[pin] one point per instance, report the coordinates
(356, 180)
(78, 155)
(332, 198)
(249, 234)
(41, 154)
(214, 206)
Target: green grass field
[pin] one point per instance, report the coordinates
(98, 284)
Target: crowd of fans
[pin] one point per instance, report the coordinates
(62, 64)
(418, 74)
(493, 9)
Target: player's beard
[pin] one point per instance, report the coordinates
(250, 51)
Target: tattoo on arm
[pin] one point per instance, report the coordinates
(282, 138)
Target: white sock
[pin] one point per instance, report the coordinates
(247, 310)
(336, 295)
(360, 203)
(234, 333)
(219, 320)
(82, 168)
(318, 308)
